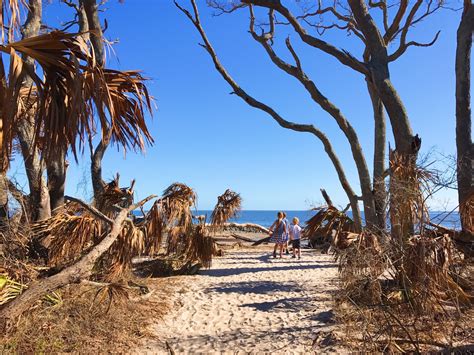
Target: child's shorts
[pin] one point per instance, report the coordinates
(296, 243)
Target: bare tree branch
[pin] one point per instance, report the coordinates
(343, 56)
(194, 18)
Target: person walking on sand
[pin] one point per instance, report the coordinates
(278, 232)
(295, 237)
(287, 236)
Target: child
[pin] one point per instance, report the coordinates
(278, 232)
(287, 224)
(295, 236)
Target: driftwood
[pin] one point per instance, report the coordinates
(71, 274)
(261, 241)
(245, 239)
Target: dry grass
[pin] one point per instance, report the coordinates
(81, 324)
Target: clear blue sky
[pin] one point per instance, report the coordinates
(212, 141)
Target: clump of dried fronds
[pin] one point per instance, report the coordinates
(428, 275)
(362, 262)
(153, 227)
(118, 259)
(66, 235)
(200, 246)
(177, 201)
(327, 223)
(113, 195)
(227, 207)
(111, 293)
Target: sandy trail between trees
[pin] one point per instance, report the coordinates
(250, 302)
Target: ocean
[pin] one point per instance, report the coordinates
(266, 218)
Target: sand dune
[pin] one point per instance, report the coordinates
(250, 302)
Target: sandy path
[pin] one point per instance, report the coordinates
(250, 302)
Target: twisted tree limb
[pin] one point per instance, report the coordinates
(71, 274)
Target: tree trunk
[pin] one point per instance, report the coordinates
(465, 148)
(56, 170)
(380, 193)
(407, 145)
(39, 199)
(93, 23)
(96, 168)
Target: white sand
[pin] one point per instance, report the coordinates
(250, 302)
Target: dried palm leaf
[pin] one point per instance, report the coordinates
(153, 228)
(118, 259)
(67, 235)
(427, 276)
(227, 207)
(201, 246)
(327, 223)
(177, 201)
(111, 293)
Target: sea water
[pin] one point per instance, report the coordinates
(267, 217)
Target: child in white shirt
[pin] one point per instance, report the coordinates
(295, 237)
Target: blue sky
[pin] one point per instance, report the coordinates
(212, 141)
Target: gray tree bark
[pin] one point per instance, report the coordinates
(39, 199)
(380, 193)
(464, 145)
(93, 23)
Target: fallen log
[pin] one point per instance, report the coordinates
(261, 241)
(240, 237)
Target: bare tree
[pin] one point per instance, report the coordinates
(465, 148)
(356, 18)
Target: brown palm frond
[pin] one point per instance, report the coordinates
(114, 195)
(177, 201)
(327, 222)
(110, 293)
(58, 54)
(118, 259)
(120, 99)
(67, 235)
(201, 246)
(427, 274)
(153, 228)
(10, 18)
(228, 206)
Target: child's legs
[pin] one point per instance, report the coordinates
(281, 249)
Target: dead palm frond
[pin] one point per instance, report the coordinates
(113, 195)
(227, 207)
(117, 261)
(153, 228)
(58, 54)
(119, 99)
(110, 293)
(428, 280)
(67, 235)
(201, 246)
(326, 223)
(177, 201)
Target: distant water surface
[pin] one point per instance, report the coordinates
(266, 218)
